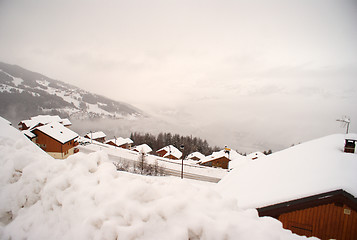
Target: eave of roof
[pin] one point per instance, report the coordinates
(337, 196)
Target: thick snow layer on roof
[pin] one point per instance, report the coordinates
(120, 141)
(28, 133)
(5, 120)
(44, 119)
(307, 169)
(171, 150)
(96, 135)
(66, 122)
(42, 198)
(255, 155)
(58, 132)
(195, 154)
(143, 148)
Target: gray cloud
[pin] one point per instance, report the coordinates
(230, 70)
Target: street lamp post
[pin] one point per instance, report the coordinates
(182, 147)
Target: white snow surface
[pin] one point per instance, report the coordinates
(304, 170)
(142, 148)
(95, 135)
(84, 197)
(120, 141)
(58, 132)
(171, 150)
(195, 154)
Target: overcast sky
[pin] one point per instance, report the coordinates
(248, 73)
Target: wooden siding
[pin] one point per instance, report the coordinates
(161, 153)
(329, 221)
(221, 162)
(51, 145)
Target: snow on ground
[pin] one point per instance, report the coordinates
(189, 166)
(307, 169)
(84, 197)
(9, 89)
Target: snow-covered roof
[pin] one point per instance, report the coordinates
(96, 135)
(214, 156)
(171, 150)
(120, 141)
(63, 200)
(351, 136)
(142, 148)
(306, 169)
(66, 122)
(58, 132)
(255, 155)
(44, 119)
(5, 121)
(195, 155)
(28, 133)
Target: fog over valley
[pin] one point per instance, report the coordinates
(253, 75)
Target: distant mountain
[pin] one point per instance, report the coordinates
(24, 93)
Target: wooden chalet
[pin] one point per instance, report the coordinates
(55, 139)
(120, 142)
(169, 152)
(41, 120)
(142, 148)
(197, 156)
(311, 188)
(330, 215)
(97, 136)
(218, 160)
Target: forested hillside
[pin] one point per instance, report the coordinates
(191, 144)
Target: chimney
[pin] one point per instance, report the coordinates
(350, 145)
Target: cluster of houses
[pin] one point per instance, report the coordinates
(320, 208)
(218, 159)
(53, 135)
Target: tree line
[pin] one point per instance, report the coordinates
(191, 144)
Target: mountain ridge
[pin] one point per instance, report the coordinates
(26, 93)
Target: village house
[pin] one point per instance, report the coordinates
(170, 152)
(41, 120)
(55, 139)
(142, 148)
(195, 156)
(311, 187)
(120, 142)
(218, 159)
(97, 136)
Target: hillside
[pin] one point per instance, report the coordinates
(25, 93)
(84, 197)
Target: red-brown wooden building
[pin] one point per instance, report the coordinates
(330, 215)
(311, 187)
(55, 139)
(97, 136)
(216, 161)
(169, 152)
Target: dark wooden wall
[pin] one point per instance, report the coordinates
(329, 221)
(52, 145)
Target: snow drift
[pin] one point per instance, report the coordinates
(84, 197)
(307, 169)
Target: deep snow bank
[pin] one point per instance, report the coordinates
(84, 197)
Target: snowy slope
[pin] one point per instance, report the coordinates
(84, 197)
(32, 93)
(307, 169)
